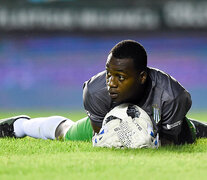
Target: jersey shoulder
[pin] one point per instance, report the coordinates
(96, 99)
(97, 82)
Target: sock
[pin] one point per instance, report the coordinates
(43, 127)
(18, 127)
(80, 131)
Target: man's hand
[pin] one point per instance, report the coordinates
(96, 129)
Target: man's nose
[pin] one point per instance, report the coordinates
(112, 82)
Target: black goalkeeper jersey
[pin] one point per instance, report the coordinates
(167, 102)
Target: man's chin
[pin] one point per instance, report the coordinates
(118, 101)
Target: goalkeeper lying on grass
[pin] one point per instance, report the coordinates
(127, 79)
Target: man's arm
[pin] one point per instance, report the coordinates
(96, 128)
(96, 100)
(173, 114)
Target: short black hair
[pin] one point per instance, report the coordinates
(133, 50)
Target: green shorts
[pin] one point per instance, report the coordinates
(80, 131)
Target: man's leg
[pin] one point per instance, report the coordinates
(191, 130)
(21, 126)
(43, 127)
(187, 133)
(79, 131)
(54, 127)
(201, 128)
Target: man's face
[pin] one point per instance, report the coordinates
(123, 81)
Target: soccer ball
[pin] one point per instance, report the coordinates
(128, 111)
(126, 125)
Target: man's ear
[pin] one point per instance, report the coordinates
(143, 77)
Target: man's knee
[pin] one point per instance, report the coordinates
(62, 129)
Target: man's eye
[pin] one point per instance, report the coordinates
(121, 78)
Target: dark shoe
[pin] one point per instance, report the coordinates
(6, 126)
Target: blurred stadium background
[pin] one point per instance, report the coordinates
(48, 48)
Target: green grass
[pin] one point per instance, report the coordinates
(29, 158)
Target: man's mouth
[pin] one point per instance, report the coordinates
(113, 94)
